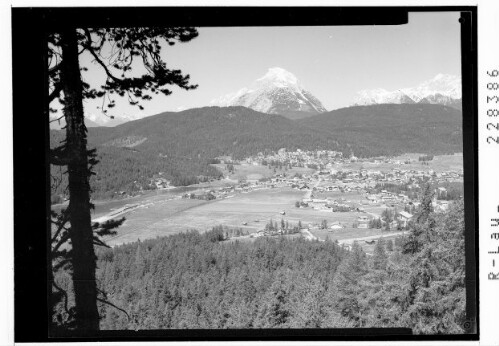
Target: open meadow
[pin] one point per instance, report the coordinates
(163, 212)
(161, 215)
(246, 171)
(249, 211)
(440, 163)
(348, 235)
(356, 199)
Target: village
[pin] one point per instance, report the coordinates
(311, 194)
(337, 193)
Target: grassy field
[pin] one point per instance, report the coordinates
(350, 197)
(355, 199)
(252, 172)
(161, 213)
(104, 207)
(350, 233)
(346, 236)
(160, 216)
(249, 239)
(315, 217)
(142, 223)
(440, 163)
(345, 233)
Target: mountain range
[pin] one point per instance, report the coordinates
(280, 92)
(442, 89)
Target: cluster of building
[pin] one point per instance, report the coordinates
(160, 182)
(298, 158)
(331, 177)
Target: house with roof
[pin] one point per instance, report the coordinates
(404, 217)
(441, 192)
(441, 206)
(336, 225)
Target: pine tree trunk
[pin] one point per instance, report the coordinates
(83, 257)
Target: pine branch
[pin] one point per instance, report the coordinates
(65, 263)
(91, 50)
(55, 93)
(114, 306)
(65, 294)
(64, 238)
(99, 242)
(54, 69)
(63, 219)
(57, 119)
(106, 228)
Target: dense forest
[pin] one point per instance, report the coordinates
(129, 170)
(193, 280)
(182, 145)
(392, 129)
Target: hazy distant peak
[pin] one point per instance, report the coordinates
(442, 89)
(102, 119)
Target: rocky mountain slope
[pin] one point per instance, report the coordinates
(277, 92)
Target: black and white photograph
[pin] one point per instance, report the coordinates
(265, 177)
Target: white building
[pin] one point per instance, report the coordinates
(405, 217)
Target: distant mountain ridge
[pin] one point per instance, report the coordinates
(280, 92)
(97, 120)
(277, 92)
(102, 119)
(443, 89)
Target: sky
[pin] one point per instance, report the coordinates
(333, 63)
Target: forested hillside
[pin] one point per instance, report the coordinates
(392, 129)
(214, 131)
(191, 280)
(182, 145)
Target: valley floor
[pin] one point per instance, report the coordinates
(165, 212)
(156, 216)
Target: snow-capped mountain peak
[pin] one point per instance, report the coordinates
(278, 77)
(277, 92)
(442, 89)
(376, 96)
(443, 84)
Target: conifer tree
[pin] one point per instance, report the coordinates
(347, 283)
(275, 310)
(437, 287)
(324, 224)
(380, 257)
(424, 225)
(389, 245)
(126, 47)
